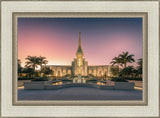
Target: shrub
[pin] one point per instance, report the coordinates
(85, 76)
(92, 80)
(74, 76)
(134, 78)
(67, 75)
(40, 79)
(64, 81)
(118, 79)
(25, 78)
(90, 75)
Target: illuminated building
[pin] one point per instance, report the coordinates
(80, 66)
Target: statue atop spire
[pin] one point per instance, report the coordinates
(79, 50)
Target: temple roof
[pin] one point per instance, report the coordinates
(79, 50)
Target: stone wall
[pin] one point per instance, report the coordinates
(124, 85)
(48, 85)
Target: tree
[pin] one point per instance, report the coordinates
(140, 64)
(126, 58)
(115, 71)
(20, 69)
(116, 61)
(47, 70)
(32, 62)
(42, 60)
(128, 71)
(135, 72)
(29, 71)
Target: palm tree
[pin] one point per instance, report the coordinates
(128, 71)
(135, 72)
(29, 71)
(116, 60)
(126, 58)
(115, 71)
(140, 64)
(47, 70)
(19, 67)
(42, 60)
(32, 62)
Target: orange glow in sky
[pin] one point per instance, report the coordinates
(57, 39)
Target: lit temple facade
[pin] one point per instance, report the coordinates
(80, 66)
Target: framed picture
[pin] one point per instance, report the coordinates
(80, 59)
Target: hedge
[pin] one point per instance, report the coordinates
(118, 79)
(134, 78)
(40, 79)
(25, 78)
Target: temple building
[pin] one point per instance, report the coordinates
(80, 66)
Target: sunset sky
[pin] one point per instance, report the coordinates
(57, 38)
